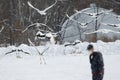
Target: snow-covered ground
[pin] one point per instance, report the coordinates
(59, 67)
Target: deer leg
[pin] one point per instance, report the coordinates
(43, 60)
(40, 59)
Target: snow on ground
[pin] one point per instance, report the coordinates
(59, 66)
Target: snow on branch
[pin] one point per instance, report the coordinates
(2, 29)
(37, 25)
(83, 25)
(103, 31)
(42, 12)
(113, 25)
(96, 14)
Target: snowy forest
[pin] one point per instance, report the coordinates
(16, 15)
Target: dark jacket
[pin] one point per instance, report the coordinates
(97, 64)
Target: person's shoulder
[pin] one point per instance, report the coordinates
(98, 53)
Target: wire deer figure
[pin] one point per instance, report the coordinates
(42, 59)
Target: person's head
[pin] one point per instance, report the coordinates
(90, 48)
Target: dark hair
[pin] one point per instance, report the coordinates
(90, 46)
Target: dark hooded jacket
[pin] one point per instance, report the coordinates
(97, 64)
